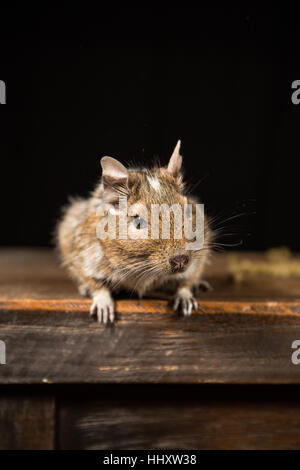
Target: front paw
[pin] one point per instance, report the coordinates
(185, 301)
(103, 306)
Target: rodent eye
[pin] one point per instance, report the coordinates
(139, 222)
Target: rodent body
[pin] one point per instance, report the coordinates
(102, 265)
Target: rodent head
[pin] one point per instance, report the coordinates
(140, 253)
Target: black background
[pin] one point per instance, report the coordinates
(128, 82)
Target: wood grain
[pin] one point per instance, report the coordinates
(152, 345)
(154, 379)
(164, 418)
(26, 422)
(241, 334)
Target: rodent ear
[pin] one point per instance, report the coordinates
(114, 169)
(175, 161)
(114, 179)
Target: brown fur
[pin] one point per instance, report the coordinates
(102, 265)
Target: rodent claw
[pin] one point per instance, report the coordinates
(176, 303)
(103, 307)
(93, 310)
(186, 302)
(111, 314)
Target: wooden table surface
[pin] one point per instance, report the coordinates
(36, 274)
(154, 379)
(242, 332)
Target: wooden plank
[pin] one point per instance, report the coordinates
(161, 418)
(27, 306)
(223, 343)
(35, 274)
(241, 334)
(26, 422)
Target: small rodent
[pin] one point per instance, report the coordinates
(102, 265)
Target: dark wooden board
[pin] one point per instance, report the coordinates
(226, 342)
(242, 333)
(163, 418)
(26, 422)
(154, 379)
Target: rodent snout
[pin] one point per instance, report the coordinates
(178, 263)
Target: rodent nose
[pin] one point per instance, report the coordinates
(178, 262)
